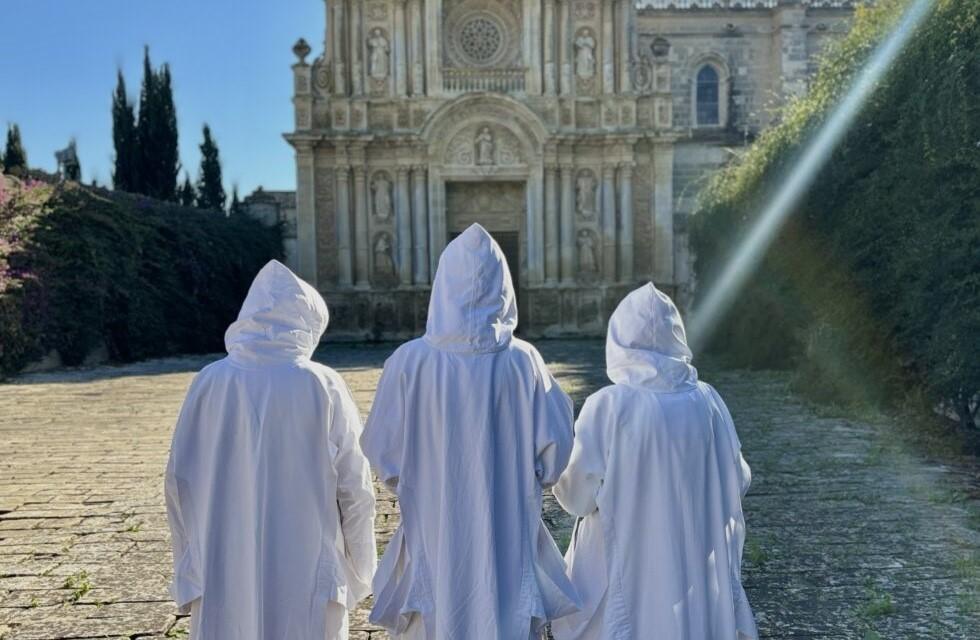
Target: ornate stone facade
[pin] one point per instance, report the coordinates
(576, 131)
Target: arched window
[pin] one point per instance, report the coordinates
(707, 94)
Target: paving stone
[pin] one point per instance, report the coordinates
(849, 531)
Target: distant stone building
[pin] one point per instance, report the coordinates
(576, 131)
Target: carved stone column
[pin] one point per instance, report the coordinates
(551, 226)
(339, 67)
(568, 242)
(532, 52)
(565, 46)
(535, 228)
(344, 263)
(417, 51)
(549, 48)
(433, 48)
(403, 219)
(663, 213)
(626, 222)
(609, 223)
(361, 245)
(356, 45)
(624, 27)
(420, 224)
(437, 219)
(400, 66)
(608, 55)
(306, 213)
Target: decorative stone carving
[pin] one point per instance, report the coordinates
(301, 49)
(585, 54)
(485, 147)
(588, 259)
(379, 49)
(381, 192)
(378, 11)
(585, 10)
(642, 76)
(482, 35)
(322, 77)
(585, 193)
(384, 261)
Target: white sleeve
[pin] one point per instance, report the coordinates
(578, 487)
(552, 417)
(383, 439)
(355, 493)
(186, 586)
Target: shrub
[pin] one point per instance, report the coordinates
(84, 268)
(877, 277)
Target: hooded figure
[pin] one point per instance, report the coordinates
(269, 497)
(468, 427)
(656, 478)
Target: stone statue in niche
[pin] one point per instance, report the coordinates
(585, 55)
(384, 263)
(585, 186)
(588, 262)
(382, 196)
(378, 45)
(484, 147)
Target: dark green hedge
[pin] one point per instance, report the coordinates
(81, 268)
(873, 289)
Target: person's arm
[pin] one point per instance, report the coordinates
(578, 487)
(744, 471)
(384, 434)
(552, 417)
(186, 585)
(355, 493)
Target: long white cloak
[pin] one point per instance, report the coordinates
(269, 497)
(467, 427)
(657, 477)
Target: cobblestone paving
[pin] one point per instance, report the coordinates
(851, 534)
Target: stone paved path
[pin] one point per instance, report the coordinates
(851, 533)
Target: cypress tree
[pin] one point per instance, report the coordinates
(166, 152)
(125, 174)
(73, 169)
(15, 157)
(236, 208)
(210, 192)
(146, 170)
(156, 127)
(186, 193)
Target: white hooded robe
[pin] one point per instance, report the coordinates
(269, 497)
(468, 426)
(657, 477)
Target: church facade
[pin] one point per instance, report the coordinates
(576, 131)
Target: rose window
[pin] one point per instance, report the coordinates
(480, 39)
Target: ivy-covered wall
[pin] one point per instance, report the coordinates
(873, 289)
(83, 269)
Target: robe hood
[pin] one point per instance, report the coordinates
(472, 308)
(647, 345)
(281, 320)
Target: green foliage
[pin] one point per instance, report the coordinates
(14, 157)
(83, 268)
(186, 195)
(873, 289)
(125, 174)
(236, 208)
(210, 191)
(156, 134)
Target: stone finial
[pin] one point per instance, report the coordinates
(301, 49)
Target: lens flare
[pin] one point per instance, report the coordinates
(746, 256)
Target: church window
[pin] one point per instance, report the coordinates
(707, 97)
(480, 39)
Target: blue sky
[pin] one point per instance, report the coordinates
(230, 61)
